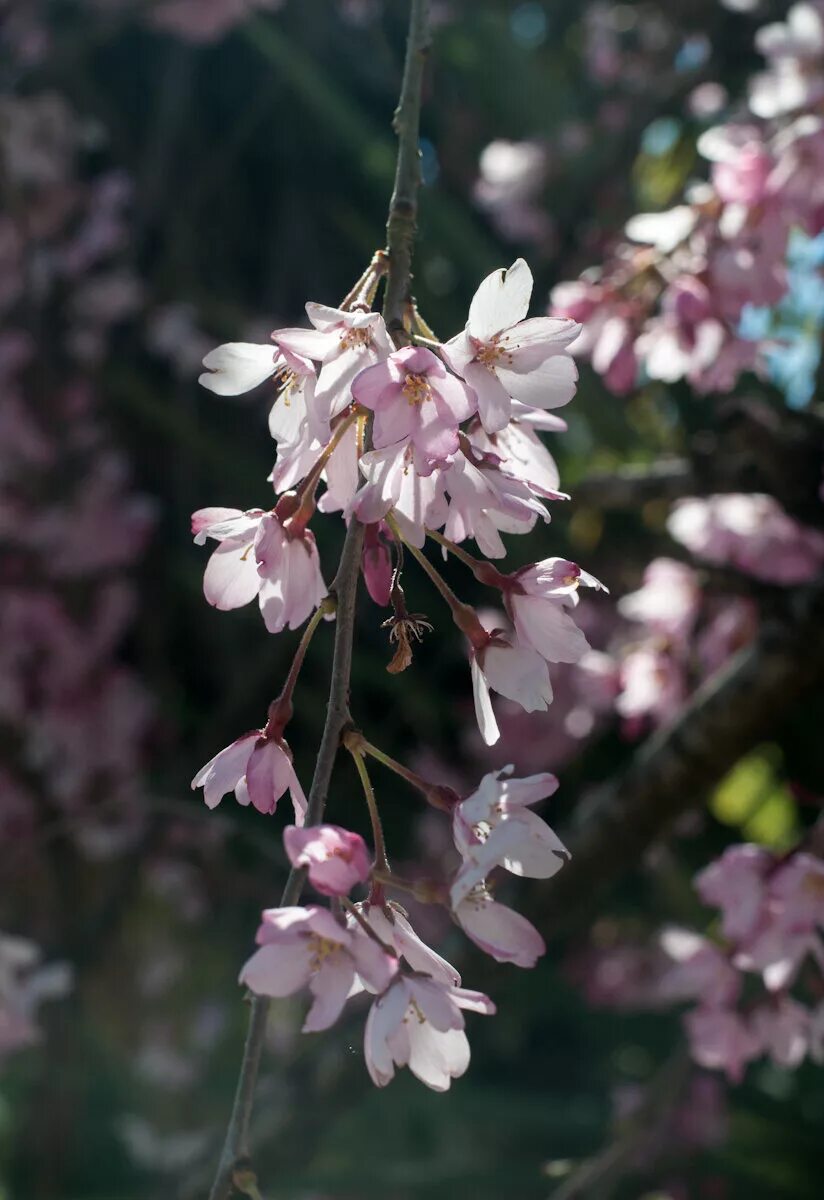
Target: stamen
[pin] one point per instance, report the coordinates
(417, 389)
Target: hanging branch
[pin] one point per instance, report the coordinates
(234, 1166)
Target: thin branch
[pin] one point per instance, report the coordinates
(400, 238)
(725, 718)
(403, 207)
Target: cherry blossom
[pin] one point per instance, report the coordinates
(751, 533)
(291, 585)
(344, 343)
(336, 858)
(783, 1028)
(668, 599)
(504, 357)
(537, 601)
(517, 672)
(721, 1039)
(495, 827)
(258, 769)
(418, 1022)
(231, 578)
(415, 400)
(497, 930)
(735, 883)
(300, 947)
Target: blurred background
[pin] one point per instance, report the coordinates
(179, 173)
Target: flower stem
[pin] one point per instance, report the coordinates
(400, 238)
(463, 615)
(280, 710)
(483, 571)
(381, 861)
(437, 794)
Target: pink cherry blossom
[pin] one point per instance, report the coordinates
(418, 1023)
(485, 499)
(344, 343)
(722, 1040)
(415, 400)
(497, 930)
(291, 585)
(783, 1027)
(257, 769)
(494, 827)
(537, 602)
(668, 600)
(394, 930)
(735, 883)
(392, 483)
(336, 858)
(504, 357)
(700, 970)
(521, 452)
(300, 947)
(517, 672)
(751, 533)
(653, 686)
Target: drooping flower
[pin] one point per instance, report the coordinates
(504, 357)
(537, 603)
(517, 672)
(231, 578)
(418, 1022)
(417, 401)
(337, 859)
(498, 930)
(301, 947)
(291, 585)
(495, 827)
(258, 769)
(394, 930)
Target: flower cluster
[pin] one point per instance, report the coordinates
(771, 918)
(409, 442)
(681, 631)
(414, 439)
(416, 1016)
(672, 298)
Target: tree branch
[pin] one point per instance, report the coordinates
(732, 712)
(403, 207)
(234, 1161)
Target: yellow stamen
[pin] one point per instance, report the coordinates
(417, 390)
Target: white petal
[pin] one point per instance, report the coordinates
(237, 367)
(483, 705)
(501, 301)
(231, 578)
